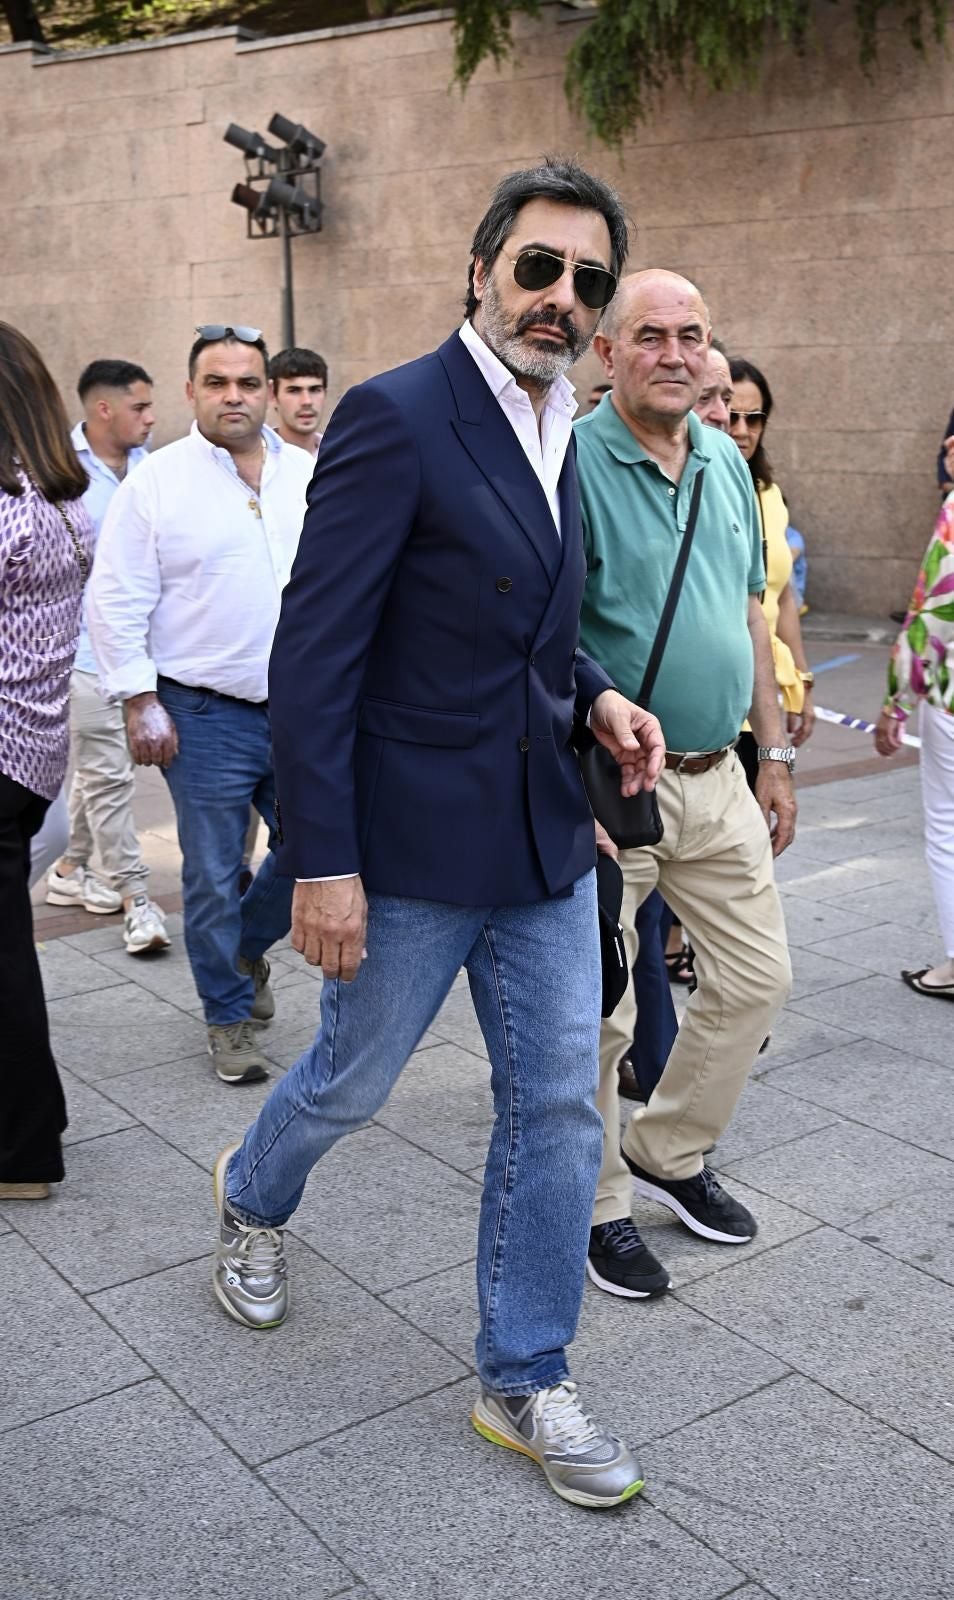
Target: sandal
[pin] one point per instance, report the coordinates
(681, 965)
(941, 991)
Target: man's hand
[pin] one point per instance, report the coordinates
(329, 925)
(887, 734)
(604, 844)
(632, 736)
(150, 731)
(776, 796)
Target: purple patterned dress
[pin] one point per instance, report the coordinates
(41, 588)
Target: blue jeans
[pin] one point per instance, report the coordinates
(534, 976)
(223, 768)
(656, 1024)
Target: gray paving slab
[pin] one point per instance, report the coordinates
(844, 843)
(813, 974)
(885, 1010)
(66, 971)
(764, 1118)
(919, 1230)
(115, 1030)
(902, 783)
(891, 1090)
(810, 1497)
(442, 1102)
(188, 1106)
(381, 1492)
(55, 1351)
(92, 941)
(906, 903)
(807, 921)
(166, 973)
(386, 1212)
(886, 948)
(90, 1113)
(820, 881)
(850, 1317)
(129, 1206)
(796, 1037)
(340, 1357)
(131, 1496)
(456, 1022)
(841, 1172)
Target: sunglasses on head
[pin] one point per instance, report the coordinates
(534, 270)
(223, 330)
(752, 419)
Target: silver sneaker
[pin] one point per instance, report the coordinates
(249, 1274)
(263, 1006)
(144, 927)
(82, 888)
(582, 1462)
(235, 1054)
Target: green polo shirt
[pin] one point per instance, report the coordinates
(634, 517)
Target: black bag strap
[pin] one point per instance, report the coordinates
(672, 598)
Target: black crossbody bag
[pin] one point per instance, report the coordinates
(633, 820)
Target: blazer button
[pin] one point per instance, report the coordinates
(524, 744)
(504, 585)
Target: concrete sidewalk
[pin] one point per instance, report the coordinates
(792, 1400)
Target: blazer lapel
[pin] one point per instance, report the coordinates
(568, 585)
(492, 444)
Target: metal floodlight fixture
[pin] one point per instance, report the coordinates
(253, 201)
(291, 197)
(299, 139)
(252, 145)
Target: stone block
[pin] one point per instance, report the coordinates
(189, 1107)
(814, 974)
(880, 949)
(56, 1352)
(385, 1212)
(885, 1010)
(94, 1036)
(91, 1114)
(918, 1230)
(808, 920)
(341, 1356)
(129, 1206)
(66, 971)
(764, 1119)
(850, 1317)
(130, 1498)
(841, 1172)
(805, 1494)
(796, 1037)
(881, 1087)
(378, 1492)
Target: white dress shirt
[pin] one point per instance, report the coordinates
(190, 568)
(544, 445)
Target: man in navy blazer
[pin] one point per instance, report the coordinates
(423, 682)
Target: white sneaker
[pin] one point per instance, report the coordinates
(145, 927)
(82, 888)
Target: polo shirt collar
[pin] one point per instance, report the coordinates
(623, 444)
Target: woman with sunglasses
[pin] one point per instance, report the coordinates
(46, 550)
(749, 412)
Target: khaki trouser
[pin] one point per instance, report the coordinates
(102, 792)
(714, 867)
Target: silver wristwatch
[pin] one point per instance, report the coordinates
(778, 752)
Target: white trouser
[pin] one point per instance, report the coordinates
(101, 799)
(937, 795)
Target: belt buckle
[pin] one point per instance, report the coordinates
(686, 756)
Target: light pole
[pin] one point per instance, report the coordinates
(282, 195)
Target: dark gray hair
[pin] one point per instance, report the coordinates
(555, 179)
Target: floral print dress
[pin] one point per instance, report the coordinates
(922, 661)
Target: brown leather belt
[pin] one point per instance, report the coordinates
(691, 766)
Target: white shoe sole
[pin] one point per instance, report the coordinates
(617, 1288)
(662, 1197)
(254, 1074)
(55, 898)
(159, 941)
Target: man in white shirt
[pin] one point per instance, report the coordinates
(183, 602)
(422, 686)
(111, 442)
(298, 384)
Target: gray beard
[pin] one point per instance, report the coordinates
(519, 355)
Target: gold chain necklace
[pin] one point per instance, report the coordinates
(254, 499)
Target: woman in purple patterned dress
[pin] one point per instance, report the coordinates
(46, 550)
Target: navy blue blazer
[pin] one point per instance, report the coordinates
(425, 668)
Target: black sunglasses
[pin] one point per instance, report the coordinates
(752, 419)
(538, 269)
(223, 330)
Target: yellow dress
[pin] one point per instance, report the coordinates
(778, 572)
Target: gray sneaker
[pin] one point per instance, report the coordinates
(235, 1054)
(249, 1275)
(263, 1006)
(582, 1462)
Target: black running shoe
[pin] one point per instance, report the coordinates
(700, 1202)
(620, 1263)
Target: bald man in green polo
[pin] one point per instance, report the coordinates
(638, 455)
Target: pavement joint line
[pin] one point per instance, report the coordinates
(724, 1405)
(362, 1422)
(460, 1172)
(77, 1405)
(728, 1261)
(411, 1283)
(854, 1122)
(779, 1144)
